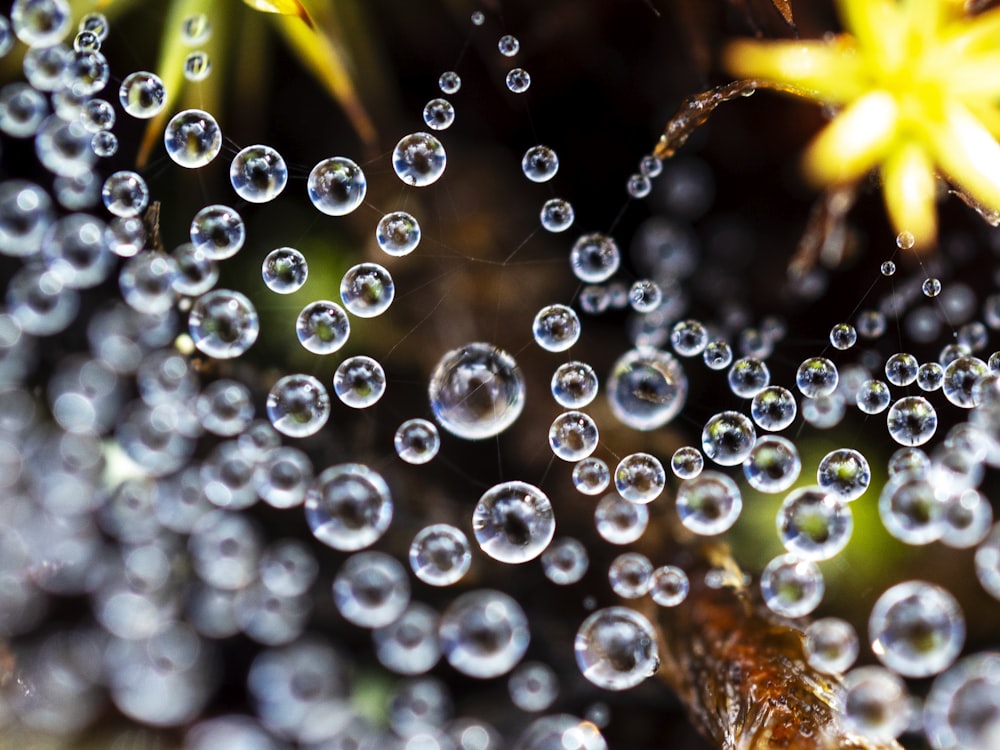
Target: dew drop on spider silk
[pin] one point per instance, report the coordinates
(591, 476)
(574, 384)
(540, 164)
(748, 376)
(870, 324)
(640, 478)
(513, 522)
(26, 213)
(773, 408)
(646, 388)
(104, 143)
(197, 66)
(687, 462)
(630, 575)
(196, 272)
(594, 258)
(916, 629)
(283, 479)
(573, 436)
(439, 555)
(728, 437)
(298, 405)
(419, 159)
(476, 391)
(409, 645)
(843, 336)
(449, 82)
(417, 441)
(349, 506)
(484, 633)
(439, 114)
(336, 186)
(533, 686)
(910, 509)
(616, 648)
(218, 231)
(518, 80)
(960, 379)
(876, 704)
(397, 233)
(258, 174)
(619, 521)
(508, 45)
(125, 193)
(478, 18)
(912, 421)
(814, 524)
(64, 148)
(645, 295)
(371, 589)
(930, 376)
(905, 240)
(322, 327)
(791, 586)
(41, 23)
(709, 503)
(931, 287)
(888, 268)
(962, 706)
(359, 382)
(195, 30)
(773, 464)
(146, 282)
(816, 377)
(86, 41)
(670, 586)
(192, 138)
(845, 473)
(718, 355)
(638, 186)
(831, 645)
(142, 94)
(565, 561)
(557, 215)
(901, 369)
(873, 397)
(22, 110)
(556, 328)
(223, 324)
(688, 337)
(367, 290)
(284, 270)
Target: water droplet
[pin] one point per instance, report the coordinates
(223, 324)
(910, 509)
(508, 45)
(556, 328)
(888, 268)
(646, 389)
(843, 336)
(687, 462)
(298, 405)
(367, 290)
(322, 327)
(688, 338)
(518, 80)
(195, 30)
(409, 645)
(337, 186)
(931, 287)
(125, 194)
(218, 231)
(831, 645)
(912, 421)
(645, 296)
(905, 240)
(574, 385)
(484, 633)
(670, 586)
(630, 575)
(371, 589)
(359, 382)
(142, 94)
(814, 524)
(916, 629)
(478, 18)
(748, 376)
(557, 215)
(594, 258)
(417, 441)
(533, 686)
(565, 561)
(540, 163)
(258, 174)
(618, 521)
(41, 23)
(791, 587)
(397, 234)
(962, 706)
(816, 377)
(573, 436)
(419, 159)
(773, 464)
(640, 478)
(717, 355)
(845, 473)
(727, 438)
(104, 144)
(192, 138)
(960, 378)
(901, 369)
(284, 270)
(349, 506)
(616, 648)
(591, 476)
(873, 397)
(513, 522)
(449, 82)
(439, 555)
(476, 391)
(709, 504)
(876, 704)
(638, 186)
(22, 110)
(283, 479)
(197, 66)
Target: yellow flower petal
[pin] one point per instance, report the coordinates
(908, 185)
(976, 35)
(855, 141)
(975, 77)
(828, 72)
(282, 8)
(967, 153)
(877, 25)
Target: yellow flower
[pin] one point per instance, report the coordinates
(917, 84)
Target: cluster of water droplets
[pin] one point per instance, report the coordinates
(155, 623)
